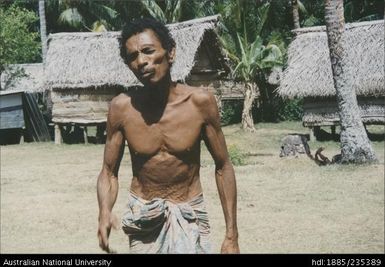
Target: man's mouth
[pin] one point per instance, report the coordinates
(146, 74)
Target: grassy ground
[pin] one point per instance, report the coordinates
(285, 205)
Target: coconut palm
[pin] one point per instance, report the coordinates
(355, 144)
(294, 4)
(297, 6)
(43, 29)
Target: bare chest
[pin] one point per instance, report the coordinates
(176, 130)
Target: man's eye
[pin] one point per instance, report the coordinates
(148, 51)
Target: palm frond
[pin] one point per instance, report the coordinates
(241, 46)
(262, 14)
(311, 21)
(173, 10)
(154, 10)
(106, 11)
(71, 17)
(302, 7)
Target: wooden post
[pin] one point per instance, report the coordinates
(312, 135)
(58, 138)
(22, 136)
(333, 128)
(100, 128)
(85, 135)
(316, 132)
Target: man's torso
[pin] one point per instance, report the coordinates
(164, 144)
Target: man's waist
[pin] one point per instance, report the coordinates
(176, 192)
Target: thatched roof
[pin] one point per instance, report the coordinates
(83, 60)
(309, 72)
(23, 77)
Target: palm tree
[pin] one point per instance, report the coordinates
(355, 144)
(294, 4)
(43, 29)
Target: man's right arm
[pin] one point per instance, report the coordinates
(107, 185)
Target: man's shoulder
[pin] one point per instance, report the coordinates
(201, 96)
(121, 100)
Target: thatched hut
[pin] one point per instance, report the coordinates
(309, 74)
(20, 115)
(85, 70)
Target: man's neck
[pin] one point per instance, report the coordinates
(162, 93)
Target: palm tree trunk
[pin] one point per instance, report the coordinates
(43, 29)
(294, 5)
(355, 145)
(43, 36)
(247, 115)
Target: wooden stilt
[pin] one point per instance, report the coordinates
(312, 135)
(100, 133)
(58, 138)
(333, 129)
(21, 137)
(85, 135)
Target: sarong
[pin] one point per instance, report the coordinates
(162, 226)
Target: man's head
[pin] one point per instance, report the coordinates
(148, 49)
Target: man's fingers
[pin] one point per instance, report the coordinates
(104, 232)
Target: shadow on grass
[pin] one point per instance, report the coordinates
(323, 135)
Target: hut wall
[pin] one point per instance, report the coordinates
(87, 106)
(208, 72)
(11, 111)
(226, 89)
(324, 112)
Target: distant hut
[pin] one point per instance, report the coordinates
(85, 70)
(309, 74)
(21, 118)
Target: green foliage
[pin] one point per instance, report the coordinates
(18, 43)
(363, 10)
(171, 11)
(83, 15)
(231, 112)
(236, 156)
(311, 21)
(291, 110)
(156, 11)
(255, 57)
(314, 14)
(242, 25)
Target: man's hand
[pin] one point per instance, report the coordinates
(230, 246)
(105, 224)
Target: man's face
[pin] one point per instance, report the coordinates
(146, 57)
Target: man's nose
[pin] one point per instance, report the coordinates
(142, 60)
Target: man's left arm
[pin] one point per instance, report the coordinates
(224, 171)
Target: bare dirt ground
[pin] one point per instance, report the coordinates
(285, 205)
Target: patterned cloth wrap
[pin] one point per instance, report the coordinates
(162, 226)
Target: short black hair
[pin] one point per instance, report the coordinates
(140, 25)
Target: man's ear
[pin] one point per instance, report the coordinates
(171, 56)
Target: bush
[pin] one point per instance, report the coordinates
(236, 156)
(291, 110)
(231, 112)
